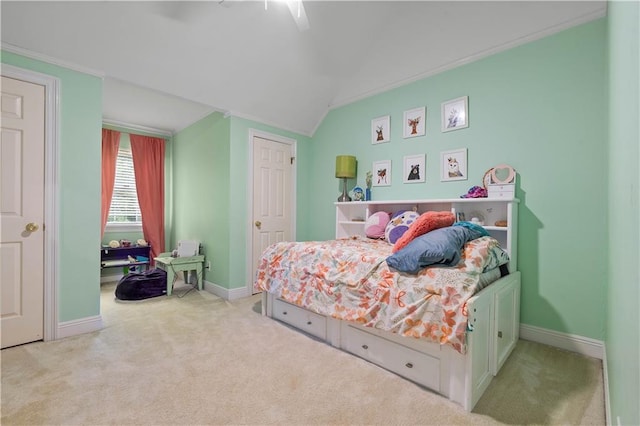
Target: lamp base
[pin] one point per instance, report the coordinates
(345, 196)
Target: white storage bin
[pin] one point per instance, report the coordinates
(506, 191)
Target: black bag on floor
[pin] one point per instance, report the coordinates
(142, 285)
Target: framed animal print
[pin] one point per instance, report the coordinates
(382, 173)
(414, 122)
(453, 165)
(455, 114)
(414, 169)
(381, 129)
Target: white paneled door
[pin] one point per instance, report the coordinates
(22, 154)
(272, 210)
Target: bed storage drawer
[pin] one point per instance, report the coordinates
(418, 367)
(304, 320)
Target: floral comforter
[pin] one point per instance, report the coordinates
(349, 279)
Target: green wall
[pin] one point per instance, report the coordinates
(201, 185)
(623, 321)
(210, 196)
(79, 157)
(541, 108)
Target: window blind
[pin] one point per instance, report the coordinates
(124, 204)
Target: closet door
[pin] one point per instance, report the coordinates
(22, 212)
(272, 205)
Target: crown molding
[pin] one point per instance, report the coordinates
(51, 60)
(267, 123)
(319, 122)
(201, 117)
(472, 58)
(137, 127)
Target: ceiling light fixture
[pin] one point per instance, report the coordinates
(297, 12)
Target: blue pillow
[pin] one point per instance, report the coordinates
(472, 226)
(438, 247)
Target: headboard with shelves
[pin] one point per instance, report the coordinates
(351, 216)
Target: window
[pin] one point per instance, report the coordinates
(124, 213)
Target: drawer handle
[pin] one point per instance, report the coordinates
(365, 347)
(308, 322)
(500, 334)
(284, 312)
(409, 365)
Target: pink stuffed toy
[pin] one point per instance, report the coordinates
(426, 222)
(375, 225)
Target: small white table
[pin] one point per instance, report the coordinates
(180, 264)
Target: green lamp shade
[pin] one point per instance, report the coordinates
(345, 166)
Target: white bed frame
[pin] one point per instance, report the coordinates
(494, 315)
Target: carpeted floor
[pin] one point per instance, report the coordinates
(198, 359)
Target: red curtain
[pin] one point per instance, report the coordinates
(148, 165)
(110, 144)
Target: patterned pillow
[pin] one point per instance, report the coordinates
(426, 222)
(376, 224)
(399, 224)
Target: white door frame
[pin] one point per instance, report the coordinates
(276, 138)
(51, 189)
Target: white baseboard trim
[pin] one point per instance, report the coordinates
(225, 293)
(79, 326)
(605, 378)
(570, 342)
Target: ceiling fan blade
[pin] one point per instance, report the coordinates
(299, 15)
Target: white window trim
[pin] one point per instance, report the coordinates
(123, 227)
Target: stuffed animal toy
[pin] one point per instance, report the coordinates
(399, 224)
(376, 224)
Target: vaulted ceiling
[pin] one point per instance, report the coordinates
(168, 64)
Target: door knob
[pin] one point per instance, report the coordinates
(258, 224)
(31, 227)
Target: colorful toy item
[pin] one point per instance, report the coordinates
(358, 194)
(475, 192)
(399, 224)
(376, 224)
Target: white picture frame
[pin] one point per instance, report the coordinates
(381, 129)
(455, 114)
(382, 173)
(453, 165)
(414, 122)
(414, 169)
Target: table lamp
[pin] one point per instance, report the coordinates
(345, 169)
